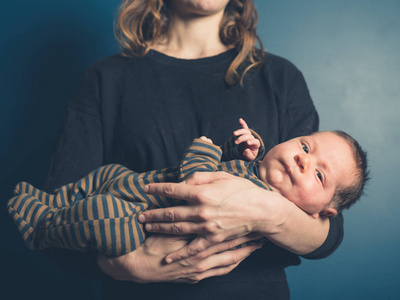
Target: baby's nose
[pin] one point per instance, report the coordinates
(303, 162)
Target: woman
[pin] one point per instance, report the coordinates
(189, 69)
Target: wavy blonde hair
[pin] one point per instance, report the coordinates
(141, 22)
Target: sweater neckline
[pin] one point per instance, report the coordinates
(222, 58)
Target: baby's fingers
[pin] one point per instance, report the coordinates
(240, 132)
(254, 143)
(243, 124)
(249, 139)
(249, 155)
(206, 139)
(244, 130)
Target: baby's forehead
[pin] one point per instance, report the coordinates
(329, 138)
(342, 155)
(333, 147)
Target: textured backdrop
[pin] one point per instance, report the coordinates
(348, 53)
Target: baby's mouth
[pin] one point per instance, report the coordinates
(288, 171)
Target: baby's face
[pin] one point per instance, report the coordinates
(308, 170)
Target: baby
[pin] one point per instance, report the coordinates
(322, 173)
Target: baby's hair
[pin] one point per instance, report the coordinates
(346, 197)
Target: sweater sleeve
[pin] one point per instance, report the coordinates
(297, 115)
(201, 156)
(333, 240)
(79, 150)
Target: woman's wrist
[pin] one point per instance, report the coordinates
(286, 225)
(270, 211)
(145, 264)
(112, 267)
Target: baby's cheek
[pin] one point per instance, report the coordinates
(309, 200)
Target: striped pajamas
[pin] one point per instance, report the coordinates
(100, 210)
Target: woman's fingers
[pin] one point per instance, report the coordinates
(210, 231)
(194, 192)
(217, 264)
(209, 273)
(186, 190)
(170, 214)
(180, 228)
(197, 245)
(147, 263)
(202, 248)
(172, 190)
(200, 178)
(159, 224)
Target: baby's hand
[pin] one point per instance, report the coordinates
(206, 139)
(248, 144)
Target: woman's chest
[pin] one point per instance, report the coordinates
(158, 121)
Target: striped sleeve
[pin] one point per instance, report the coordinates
(201, 156)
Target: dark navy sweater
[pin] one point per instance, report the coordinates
(143, 112)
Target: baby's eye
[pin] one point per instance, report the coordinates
(305, 148)
(319, 175)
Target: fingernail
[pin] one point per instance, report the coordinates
(149, 227)
(146, 188)
(142, 218)
(168, 260)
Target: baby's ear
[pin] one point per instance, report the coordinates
(329, 212)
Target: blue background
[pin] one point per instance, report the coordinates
(348, 52)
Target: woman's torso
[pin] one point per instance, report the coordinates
(150, 108)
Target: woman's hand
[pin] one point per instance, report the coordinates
(147, 263)
(217, 210)
(222, 207)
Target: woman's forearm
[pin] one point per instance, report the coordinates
(283, 223)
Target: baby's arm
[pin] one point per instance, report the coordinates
(204, 156)
(245, 144)
(248, 144)
(201, 156)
